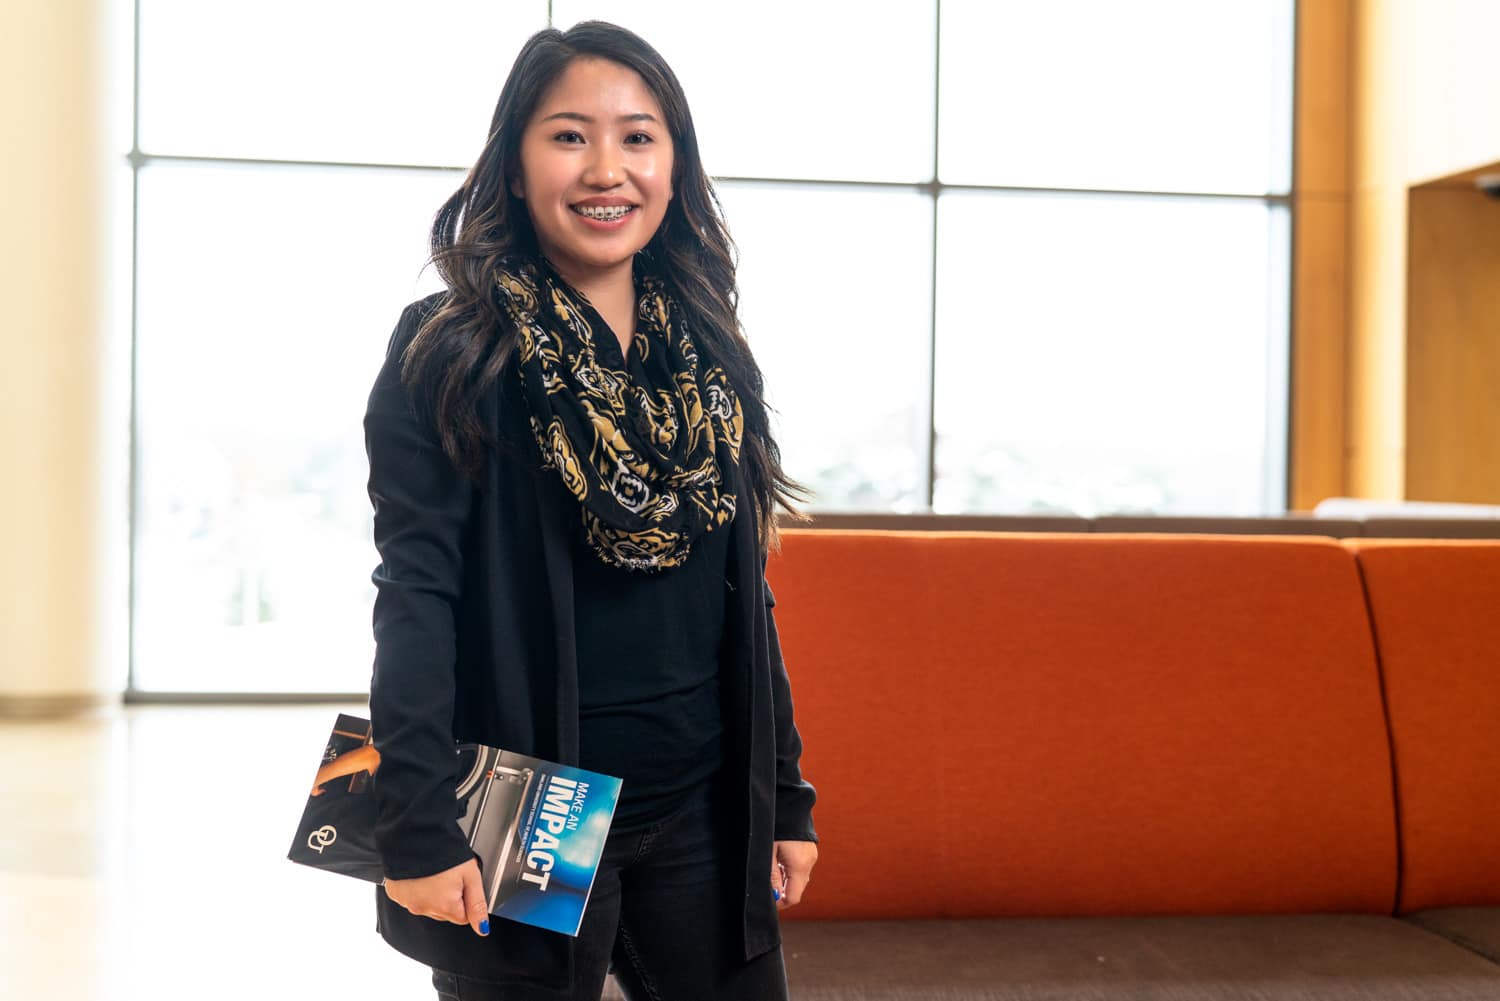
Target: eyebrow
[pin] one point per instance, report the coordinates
(639, 116)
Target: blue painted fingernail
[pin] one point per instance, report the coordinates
(484, 927)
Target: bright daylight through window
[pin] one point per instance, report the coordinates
(1018, 257)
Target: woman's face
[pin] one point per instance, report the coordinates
(597, 139)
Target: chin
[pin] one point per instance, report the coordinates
(599, 255)
(601, 260)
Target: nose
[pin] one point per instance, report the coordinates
(605, 168)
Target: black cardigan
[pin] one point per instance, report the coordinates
(474, 641)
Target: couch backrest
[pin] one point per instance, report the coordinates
(1007, 725)
(1436, 612)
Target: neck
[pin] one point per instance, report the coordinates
(599, 285)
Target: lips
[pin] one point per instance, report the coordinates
(604, 213)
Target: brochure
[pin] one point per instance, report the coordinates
(538, 827)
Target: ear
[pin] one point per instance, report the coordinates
(516, 189)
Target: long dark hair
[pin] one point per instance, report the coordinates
(463, 345)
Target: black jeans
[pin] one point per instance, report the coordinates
(659, 918)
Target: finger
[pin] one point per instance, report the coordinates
(476, 908)
(796, 883)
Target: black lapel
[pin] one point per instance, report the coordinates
(554, 503)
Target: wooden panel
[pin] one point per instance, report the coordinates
(1376, 366)
(1453, 346)
(1320, 319)
(1464, 180)
(1320, 212)
(1322, 102)
(1381, 62)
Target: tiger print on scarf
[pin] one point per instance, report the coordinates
(643, 442)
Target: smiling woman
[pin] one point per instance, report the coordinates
(574, 482)
(596, 177)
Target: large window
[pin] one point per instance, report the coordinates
(995, 257)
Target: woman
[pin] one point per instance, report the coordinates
(574, 485)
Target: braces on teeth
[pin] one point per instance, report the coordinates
(613, 212)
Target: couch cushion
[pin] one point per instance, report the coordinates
(1432, 528)
(1434, 606)
(1033, 725)
(1285, 525)
(1475, 928)
(1327, 957)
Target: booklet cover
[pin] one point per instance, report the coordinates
(538, 827)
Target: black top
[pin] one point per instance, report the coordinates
(474, 587)
(648, 673)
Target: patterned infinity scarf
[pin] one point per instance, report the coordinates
(643, 442)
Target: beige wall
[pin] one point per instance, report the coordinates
(64, 386)
(1425, 81)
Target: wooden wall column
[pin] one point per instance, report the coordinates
(1320, 275)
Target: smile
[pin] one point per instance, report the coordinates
(609, 213)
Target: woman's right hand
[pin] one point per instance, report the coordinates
(455, 894)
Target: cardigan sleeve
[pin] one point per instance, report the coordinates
(794, 795)
(422, 505)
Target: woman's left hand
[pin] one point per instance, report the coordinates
(798, 857)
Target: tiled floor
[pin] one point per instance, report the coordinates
(143, 856)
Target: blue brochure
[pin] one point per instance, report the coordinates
(538, 827)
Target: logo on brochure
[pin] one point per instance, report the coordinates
(322, 838)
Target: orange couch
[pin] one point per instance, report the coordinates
(1142, 766)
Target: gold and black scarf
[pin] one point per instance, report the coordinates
(645, 443)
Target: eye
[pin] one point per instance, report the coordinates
(643, 135)
(561, 135)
